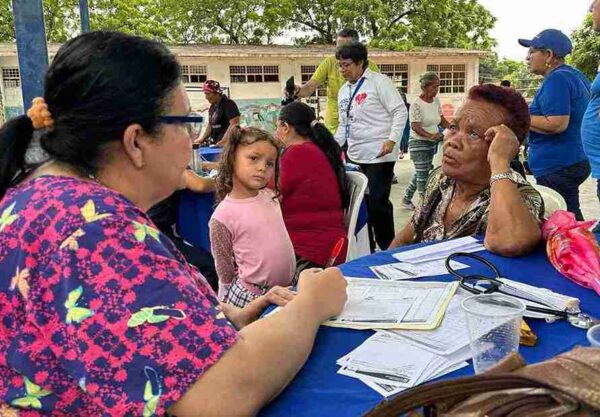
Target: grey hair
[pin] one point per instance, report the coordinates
(428, 78)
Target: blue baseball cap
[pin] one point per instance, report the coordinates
(551, 39)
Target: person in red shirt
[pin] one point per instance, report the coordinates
(313, 186)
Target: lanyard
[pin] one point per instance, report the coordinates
(358, 85)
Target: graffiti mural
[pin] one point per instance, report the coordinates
(259, 112)
(10, 112)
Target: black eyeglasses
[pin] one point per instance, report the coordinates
(193, 123)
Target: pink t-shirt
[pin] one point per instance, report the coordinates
(263, 252)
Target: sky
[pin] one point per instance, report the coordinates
(526, 18)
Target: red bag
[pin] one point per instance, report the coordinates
(573, 249)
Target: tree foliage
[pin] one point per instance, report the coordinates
(401, 25)
(148, 18)
(494, 70)
(234, 21)
(60, 18)
(586, 49)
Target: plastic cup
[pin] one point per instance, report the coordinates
(494, 324)
(593, 335)
(196, 161)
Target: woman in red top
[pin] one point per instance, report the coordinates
(313, 186)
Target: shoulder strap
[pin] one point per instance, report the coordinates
(453, 391)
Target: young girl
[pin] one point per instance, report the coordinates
(249, 241)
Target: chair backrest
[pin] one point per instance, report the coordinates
(552, 200)
(357, 186)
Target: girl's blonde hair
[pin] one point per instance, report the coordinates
(234, 137)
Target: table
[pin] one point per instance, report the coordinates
(319, 391)
(195, 209)
(211, 154)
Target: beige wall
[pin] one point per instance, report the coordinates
(11, 97)
(218, 69)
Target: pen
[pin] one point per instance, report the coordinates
(336, 252)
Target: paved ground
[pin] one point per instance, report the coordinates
(405, 168)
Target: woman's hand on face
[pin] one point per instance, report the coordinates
(279, 296)
(325, 288)
(504, 146)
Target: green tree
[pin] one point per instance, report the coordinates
(586, 48)
(233, 22)
(60, 17)
(403, 24)
(149, 18)
(7, 25)
(493, 70)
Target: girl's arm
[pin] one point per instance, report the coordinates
(221, 245)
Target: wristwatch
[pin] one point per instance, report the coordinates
(510, 175)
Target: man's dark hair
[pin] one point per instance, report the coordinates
(505, 83)
(355, 51)
(348, 33)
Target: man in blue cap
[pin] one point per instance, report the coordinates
(590, 130)
(556, 156)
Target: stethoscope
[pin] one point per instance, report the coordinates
(481, 284)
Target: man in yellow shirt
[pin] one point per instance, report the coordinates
(329, 74)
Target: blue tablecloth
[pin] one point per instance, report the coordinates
(211, 154)
(194, 212)
(319, 391)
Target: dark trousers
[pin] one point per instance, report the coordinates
(566, 182)
(200, 259)
(379, 206)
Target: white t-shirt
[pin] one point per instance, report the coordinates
(377, 113)
(428, 114)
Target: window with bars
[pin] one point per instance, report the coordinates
(11, 77)
(453, 77)
(306, 72)
(398, 73)
(193, 74)
(254, 73)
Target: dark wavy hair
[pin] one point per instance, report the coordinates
(355, 51)
(301, 117)
(235, 137)
(98, 84)
(511, 101)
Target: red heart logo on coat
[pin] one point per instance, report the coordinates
(360, 98)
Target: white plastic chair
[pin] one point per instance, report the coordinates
(553, 201)
(357, 186)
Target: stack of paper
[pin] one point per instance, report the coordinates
(377, 304)
(440, 250)
(404, 270)
(389, 364)
(450, 337)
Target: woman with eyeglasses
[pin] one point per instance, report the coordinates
(372, 117)
(101, 314)
(475, 191)
(556, 156)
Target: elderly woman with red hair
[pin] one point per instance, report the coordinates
(475, 191)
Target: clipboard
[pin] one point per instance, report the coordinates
(434, 320)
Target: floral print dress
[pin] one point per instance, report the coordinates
(100, 315)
